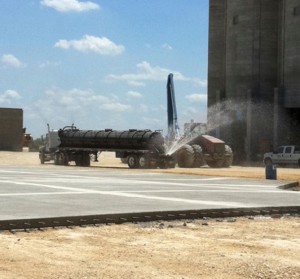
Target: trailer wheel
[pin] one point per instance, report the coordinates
(132, 161)
(228, 157)
(185, 156)
(83, 160)
(78, 162)
(143, 162)
(86, 159)
(198, 161)
(60, 159)
(63, 159)
(66, 159)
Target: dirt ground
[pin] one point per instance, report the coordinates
(248, 247)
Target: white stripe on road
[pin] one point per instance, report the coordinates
(133, 195)
(142, 191)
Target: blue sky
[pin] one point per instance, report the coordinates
(103, 63)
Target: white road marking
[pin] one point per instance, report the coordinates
(142, 191)
(133, 195)
(40, 194)
(108, 183)
(193, 184)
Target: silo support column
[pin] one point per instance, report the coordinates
(249, 124)
(275, 118)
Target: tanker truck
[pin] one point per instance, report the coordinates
(142, 148)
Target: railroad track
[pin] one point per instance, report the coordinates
(73, 221)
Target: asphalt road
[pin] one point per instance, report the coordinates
(27, 192)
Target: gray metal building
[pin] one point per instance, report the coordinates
(254, 74)
(11, 129)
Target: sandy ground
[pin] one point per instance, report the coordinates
(259, 247)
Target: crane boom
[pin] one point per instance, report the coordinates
(173, 127)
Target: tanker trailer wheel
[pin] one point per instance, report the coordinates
(87, 160)
(228, 157)
(58, 159)
(132, 161)
(83, 160)
(185, 156)
(61, 159)
(198, 161)
(143, 161)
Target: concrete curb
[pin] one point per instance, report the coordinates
(289, 185)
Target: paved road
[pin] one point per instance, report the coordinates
(27, 192)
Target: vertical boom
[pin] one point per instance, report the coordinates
(173, 127)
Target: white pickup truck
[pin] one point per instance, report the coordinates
(286, 154)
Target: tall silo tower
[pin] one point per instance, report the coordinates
(288, 128)
(246, 57)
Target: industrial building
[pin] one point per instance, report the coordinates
(11, 129)
(254, 74)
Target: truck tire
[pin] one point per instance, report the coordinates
(185, 156)
(228, 157)
(143, 162)
(83, 160)
(78, 162)
(60, 159)
(132, 161)
(66, 159)
(198, 159)
(86, 160)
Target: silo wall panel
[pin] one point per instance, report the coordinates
(291, 53)
(217, 49)
(239, 49)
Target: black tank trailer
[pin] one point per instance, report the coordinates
(142, 148)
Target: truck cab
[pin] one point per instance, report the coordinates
(285, 154)
(51, 143)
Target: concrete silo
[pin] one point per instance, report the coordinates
(288, 128)
(248, 52)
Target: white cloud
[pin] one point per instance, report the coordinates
(12, 61)
(85, 108)
(115, 106)
(196, 98)
(48, 64)
(147, 72)
(142, 108)
(151, 121)
(89, 43)
(167, 46)
(9, 96)
(77, 100)
(70, 5)
(134, 94)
